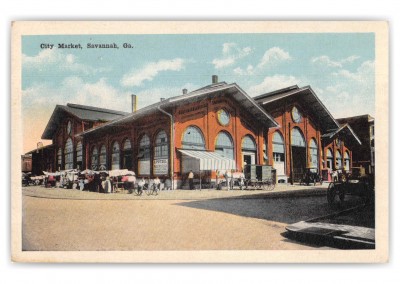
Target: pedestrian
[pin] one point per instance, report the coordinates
(335, 176)
(226, 175)
(157, 183)
(190, 177)
(81, 184)
(106, 184)
(141, 184)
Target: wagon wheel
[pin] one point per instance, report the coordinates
(330, 194)
(269, 185)
(246, 184)
(251, 184)
(265, 185)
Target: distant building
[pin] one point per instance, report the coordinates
(26, 163)
(364, 126)
(42, 159)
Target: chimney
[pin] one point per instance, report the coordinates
(184, 91)
(214, 79)
(134, 103)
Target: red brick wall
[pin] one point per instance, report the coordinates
(308, 127)
(204, 116)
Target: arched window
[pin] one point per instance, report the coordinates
(59, 158)
(95, 159)
(144, 155)
(193, 139)
(249, 150)
(338, 160)
(128, 155)
(79, 154)
(298, 138)
(329, 159)
(161, 145)
(103, 158)
(347, 161)
(278, 147)
(248, 144)
(313, 153)
(224, 145)
(161, 159)
(115, 156)
(69, 154)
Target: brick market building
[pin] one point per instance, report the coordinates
(307, 137)
(215, 127)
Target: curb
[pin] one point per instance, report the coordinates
(324, 235)
(176, 195)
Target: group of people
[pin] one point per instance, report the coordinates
(142, 182)
(229, 176)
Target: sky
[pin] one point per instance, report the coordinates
(340, 68)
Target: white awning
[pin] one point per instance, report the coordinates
(205, 161)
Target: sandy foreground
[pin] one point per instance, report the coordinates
(142, 224)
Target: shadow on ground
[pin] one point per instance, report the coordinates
(285, 210)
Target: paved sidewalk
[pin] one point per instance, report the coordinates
(353, 228)
(280, 191)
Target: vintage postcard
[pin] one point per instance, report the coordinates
(200, 142)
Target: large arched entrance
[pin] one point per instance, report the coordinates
(224, 145)
(278, 151)
(299, 157)
(249, 151)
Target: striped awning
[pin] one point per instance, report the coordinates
(205, 161)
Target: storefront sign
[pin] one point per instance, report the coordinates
(161, 167)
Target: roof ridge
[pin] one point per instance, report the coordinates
(85, 107)
(276, 92)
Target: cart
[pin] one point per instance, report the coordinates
(311, 176)
(352, 184)
(259, 177)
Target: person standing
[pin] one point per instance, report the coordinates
(106, 184)
(190, 177)
(157, 183)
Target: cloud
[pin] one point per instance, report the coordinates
(230, 54)
(74, 90)
(50, 60)
(362, 75)
(326, 61)
(149, 71)
(271, 58)
(248, 71)
(273, 83)
(351, 92)
(350, 59)
(274, 56)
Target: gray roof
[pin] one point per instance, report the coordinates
(232, 90)
(86, 113)
(346, 130)
(308, 100)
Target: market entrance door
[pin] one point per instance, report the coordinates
(249, 158)
(299, 162)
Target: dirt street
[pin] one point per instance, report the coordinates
(134, 224)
